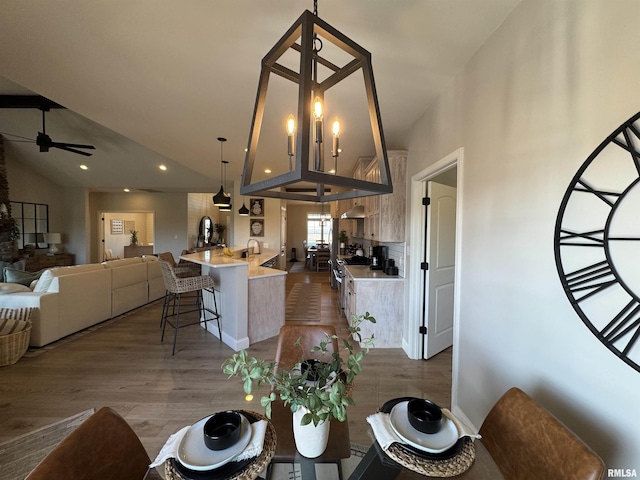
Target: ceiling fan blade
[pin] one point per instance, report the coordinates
(63, 146)
(44, 141)
(73, 145)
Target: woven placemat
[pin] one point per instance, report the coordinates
(251, 471)
(435, 468)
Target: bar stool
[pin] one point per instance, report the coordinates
(175, 287)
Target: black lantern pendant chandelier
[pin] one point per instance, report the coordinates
(222, 198)
(306, 177)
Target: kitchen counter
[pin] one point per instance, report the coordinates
(364, 272)
(211, 259)
(382, 296)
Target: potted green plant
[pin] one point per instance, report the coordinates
(342, 238)
(313, 401)
(220, 229)
(134, 237)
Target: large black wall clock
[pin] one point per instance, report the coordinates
(597, 242)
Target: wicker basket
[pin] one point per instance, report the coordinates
(14, 345)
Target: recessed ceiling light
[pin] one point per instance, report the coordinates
(267, 170)
(84, 167)
(162, 167)
(127, 190)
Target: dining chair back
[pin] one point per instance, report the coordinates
(289, 352)
(323, 255)
(103, 446)
(529, 443)
(176, 287)
(181, 268)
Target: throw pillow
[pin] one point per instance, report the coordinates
(21, 277)
(7, 288)
(19, 265)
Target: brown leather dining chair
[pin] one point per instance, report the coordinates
(103, 447)
(529, 443)
(288, 353)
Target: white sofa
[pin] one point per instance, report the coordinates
(69, 299)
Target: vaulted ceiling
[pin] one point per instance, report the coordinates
(152, 83)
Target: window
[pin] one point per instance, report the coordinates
(318, 228)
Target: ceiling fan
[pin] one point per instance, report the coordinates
(45, 143)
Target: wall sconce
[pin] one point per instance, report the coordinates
(313, 77)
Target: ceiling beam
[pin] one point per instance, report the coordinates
(27, 101)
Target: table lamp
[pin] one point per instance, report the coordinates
(53, 239)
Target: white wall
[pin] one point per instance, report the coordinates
(241, 225)
(552, 82)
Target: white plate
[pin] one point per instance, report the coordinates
(194, 454)
(429, 442)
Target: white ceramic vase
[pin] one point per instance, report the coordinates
(311, 441)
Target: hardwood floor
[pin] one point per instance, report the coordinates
(122, 364)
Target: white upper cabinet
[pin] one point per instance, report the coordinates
(385, 214)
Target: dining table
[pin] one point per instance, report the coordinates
(338, 446)
(470, 460)
(377, 464)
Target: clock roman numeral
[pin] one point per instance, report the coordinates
(590, 280)
(623, 324)
(594, 238)
(583, 186)
(627, 144)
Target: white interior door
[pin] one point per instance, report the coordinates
(440, 278)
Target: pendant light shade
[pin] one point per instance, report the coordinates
(222, 198)
(243, 211)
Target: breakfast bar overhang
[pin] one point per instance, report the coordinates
(251, 298)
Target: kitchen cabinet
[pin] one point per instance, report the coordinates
(349, 296)
(385, 215)
(382, 298)
(354, 228)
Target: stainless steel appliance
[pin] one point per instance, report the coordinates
(379, 255)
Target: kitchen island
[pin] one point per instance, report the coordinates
(250, 297)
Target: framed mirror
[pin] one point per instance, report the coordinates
(206, 230)
(33, 221)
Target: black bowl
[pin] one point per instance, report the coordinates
(222, 430)
(424, 415)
